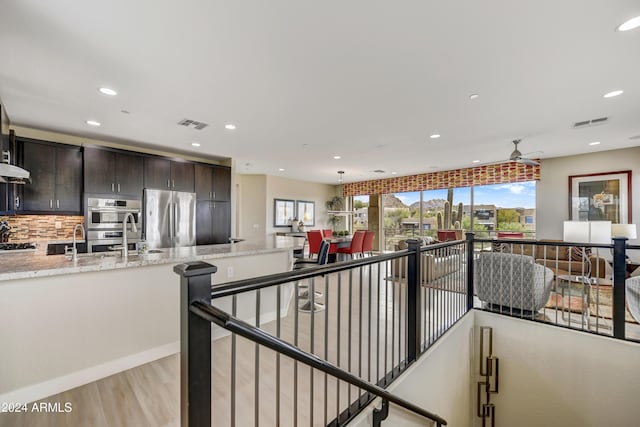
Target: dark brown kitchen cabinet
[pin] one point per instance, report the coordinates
(213, 222)
(112, 172)
(164, 174)
(213, 183)
(222, 184)
(56, 175)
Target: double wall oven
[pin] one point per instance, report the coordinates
(104, 223)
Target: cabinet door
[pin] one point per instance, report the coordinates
(221, 219)
(39, 159)
(129, 176)
(182, 176)
(222, 184)
(157, 173)
(203, 182)
(68, 188)
(204, 224)
(99, 170)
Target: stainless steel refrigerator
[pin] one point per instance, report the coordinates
(169, 218)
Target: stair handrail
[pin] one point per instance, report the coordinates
(250, 332)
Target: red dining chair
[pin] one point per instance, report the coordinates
(356, 244)
(510, 235)
(447, 235)
(328, 234)
(367, 243)
(315, 238)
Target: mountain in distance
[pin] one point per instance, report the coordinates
(391, 201)
(429, 205)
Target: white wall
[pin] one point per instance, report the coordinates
(60, 332)
(256, 194)
(551, 376)
(439, 382)
(552, 191)
(285, 188)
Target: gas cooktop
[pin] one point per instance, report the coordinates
(16, 246)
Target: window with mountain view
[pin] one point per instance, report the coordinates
(501, 207)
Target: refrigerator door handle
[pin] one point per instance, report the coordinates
(175, 220)
(170, 222)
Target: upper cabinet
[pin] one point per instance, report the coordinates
(213, 183)
(113, 172)
(56, 175)
(164, 174)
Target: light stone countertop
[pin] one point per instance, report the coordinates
(35, 264)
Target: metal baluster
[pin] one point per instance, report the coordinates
(379, 303)
(278, 327)
(326, 343)
(234, 312)
(386, 324)
(393, 322)
(369, 334)
(349, 333)
(257, 365)
(312, 293)
(338, 315)
(295, 362)
(360, 303)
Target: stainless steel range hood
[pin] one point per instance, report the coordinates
(11, 174)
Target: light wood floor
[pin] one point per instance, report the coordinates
(360, 329)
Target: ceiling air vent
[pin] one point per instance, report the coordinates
(592, 122)
(378, 171)
(192, 123)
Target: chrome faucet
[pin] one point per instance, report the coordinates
(125, 243)
(74, 249)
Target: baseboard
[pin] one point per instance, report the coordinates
(85, 376)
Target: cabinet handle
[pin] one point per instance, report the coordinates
(168, 183)
(214, 194)
(118, 188)
(173, 182)
(17, 202)
(50, 204)
(210, 195)
(57, 204)
(113, 190)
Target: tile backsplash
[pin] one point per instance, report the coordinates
(36, 228)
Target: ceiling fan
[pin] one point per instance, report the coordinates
(517, 156)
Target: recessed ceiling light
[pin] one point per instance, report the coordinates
(108, 91)
(434, 136)
(93, 123)
(473, 96)
(476, 161)
(195, 144)
(594, 143)
(337, 157)
(630, 24)
(394, 173)
(613, 93)
(230, 126)
(281, 170)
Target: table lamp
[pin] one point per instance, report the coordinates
(587, 232)
(624, 230)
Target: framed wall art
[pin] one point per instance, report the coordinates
(283, 212)
(601, 197)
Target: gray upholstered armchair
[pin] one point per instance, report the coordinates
(632, 285)
(512, 281)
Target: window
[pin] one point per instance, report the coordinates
(504, 207)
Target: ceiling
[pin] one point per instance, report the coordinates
(304, 81)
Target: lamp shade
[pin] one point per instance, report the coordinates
(587, 232)
(624, 230)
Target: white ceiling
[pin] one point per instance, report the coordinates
(306, 80)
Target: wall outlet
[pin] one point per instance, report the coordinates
(230, 272)
(58, 225)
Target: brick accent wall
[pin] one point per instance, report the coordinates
(35, 228)
(502, 173)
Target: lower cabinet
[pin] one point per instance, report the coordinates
(213, 222)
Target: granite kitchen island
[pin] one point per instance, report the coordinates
(65, 323)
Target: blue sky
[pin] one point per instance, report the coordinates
(516, 195)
